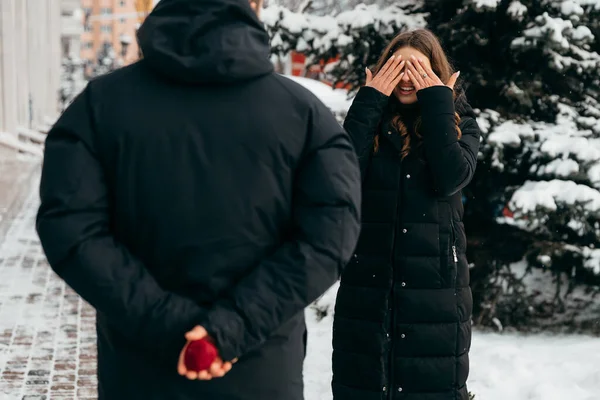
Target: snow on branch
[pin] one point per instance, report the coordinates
(548, 196)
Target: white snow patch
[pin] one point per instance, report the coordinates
(548, 195)
(594, 174)
(582, 33)
(552, 28)
(491, 4)
(509, 133)
(592, 259)
(569, 7)
(487, 118)
(516, 9)
(561, 168)
(294, 22)
(563, 145)
(588, 3)
(335, 99)
(365, 15)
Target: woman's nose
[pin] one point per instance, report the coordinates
(405, 77)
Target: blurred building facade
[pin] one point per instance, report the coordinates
(72, 28)
(30, 57)
(109, 27)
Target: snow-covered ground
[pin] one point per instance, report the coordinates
(503, 366)
(336, 99)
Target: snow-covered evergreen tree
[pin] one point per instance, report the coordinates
(536, 64)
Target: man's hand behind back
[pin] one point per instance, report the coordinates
(218, 368)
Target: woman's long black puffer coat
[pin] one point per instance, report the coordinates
(402, 326)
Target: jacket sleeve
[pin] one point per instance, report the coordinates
(325, 228)
(73, 224)
(452, 161)
(361, 122)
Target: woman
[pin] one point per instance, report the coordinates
(402, 318)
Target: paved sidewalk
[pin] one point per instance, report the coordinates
(47, 333)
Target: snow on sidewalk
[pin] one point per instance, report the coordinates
(47, 334)
(47, 341)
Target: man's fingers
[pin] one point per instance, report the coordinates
(204, 376)
(196, 334)
(452, 80)
(216, 368)
(191, 375)
(218, 372)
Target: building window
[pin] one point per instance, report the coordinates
(122, 3)
(106, 11)
(87, 28)
(88, 45)
(106, 28)
(123, 20)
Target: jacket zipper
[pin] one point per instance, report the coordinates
(454, 252)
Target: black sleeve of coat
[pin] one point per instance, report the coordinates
(361, 122)
(326, 224)
(73, 226)
(452, 161)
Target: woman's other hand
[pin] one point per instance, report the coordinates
(422, 76)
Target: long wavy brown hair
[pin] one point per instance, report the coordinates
(427, 43)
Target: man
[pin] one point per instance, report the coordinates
(198, 191)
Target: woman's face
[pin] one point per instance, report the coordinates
(405, 91)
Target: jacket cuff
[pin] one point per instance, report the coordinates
(226, 328)
(436, 100)
(367, 94)
(437, 110)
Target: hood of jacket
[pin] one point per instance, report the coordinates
(205, 41)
